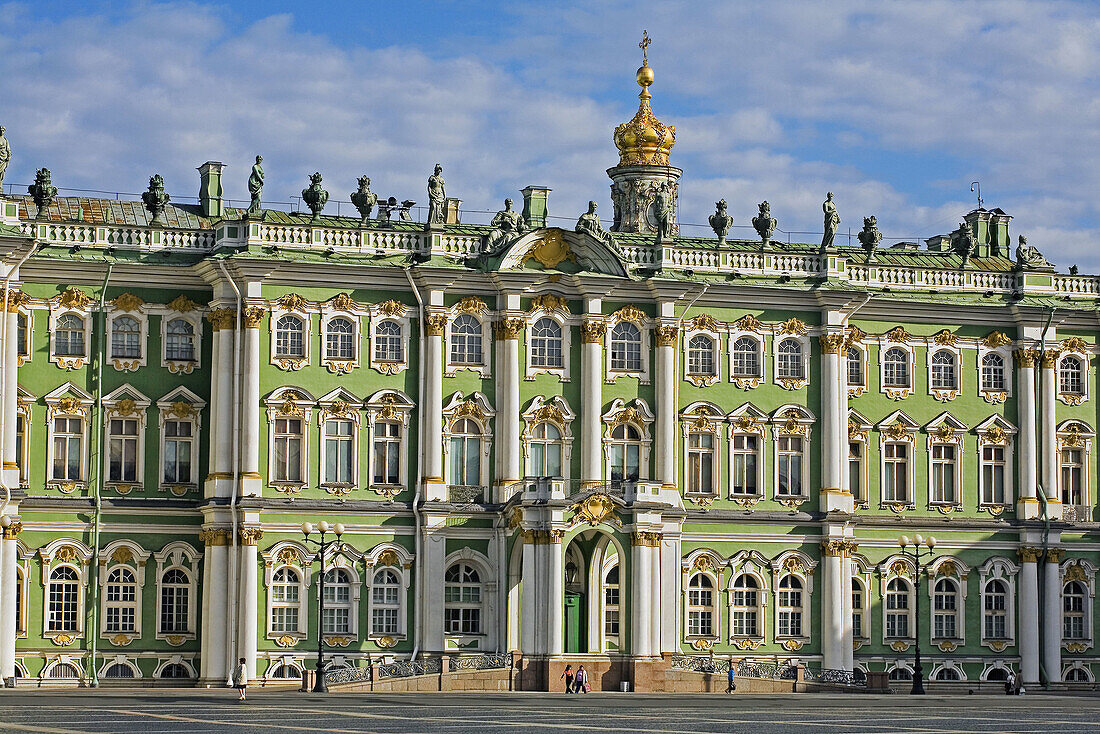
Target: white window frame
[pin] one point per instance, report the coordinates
(127, 364)
(476, 309)
(132, 557)
(565, 323)
(180, 405)
(1068, 397)
(342, 563)
(945, 430)
(181, 556)
(746, 382)
(1082, 571)
(394, 558)
(486, 639)
(337, 364)
(296, 557)
(291, 304)
(125, 403)
(1004, 571)
(995, 430)
(68, 401)
(955, 571)
(859, 430)
(181, 366)
(1077, 435)
(895, 392)
(68, 362)
(995, 397)
(383, 605)
(800, 566)
(556, 411)
(854, 390)
(861, 576)
(338, 405)
(293, 404)
(641, 418)
(611, 642)
(77, 556)
(792, 421)
(23, 357)
(391, 406)
(939, 393)
(791, 383)
(475, 407)
(712, 608)
(715, 339)
(898, 428)
(898, 567)
(703, 418)
(933, 676)
(644, 323)
(401, 315)
(734, 608)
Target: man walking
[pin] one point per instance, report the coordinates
(731, 686)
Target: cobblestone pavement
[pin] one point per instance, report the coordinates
(152, 712)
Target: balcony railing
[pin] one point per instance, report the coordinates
(1076, 513)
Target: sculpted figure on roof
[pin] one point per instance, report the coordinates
(1030, 257)
(437, 196)
(5, 156)
(589, 223)
(256, 185)
(662, 208)
(508, 224)
(832, 220)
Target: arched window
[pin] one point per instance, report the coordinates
(340, 339)
(626, 347)
(701, 359)
(388, 346)
(746, 606)
(175, 670)
(900, 674)
(338, 609)
(626, 448)
(175, 591)
(462, 600)
(545, 451)
(855, 367)
(947, 674)
(858, 631)
(997, 675)
(1073, 611)
(611, 604)
(993, 372)
(125, 338)
(700, 612)
(285, 595)
(701, 460)
(897, 608)
(1077, 675)
(1071, 376)
(179, 344)
(64, 670)
(119, 670)
(945, 610)
(290, 341)
(746, 357)
(995, 611)
(120, 610)
(790, 360)
(789, 606)
(63, 600)
(385, 602)
(466, 340)
(286, 672)
(895, 368)
(943, 371)
(68, 336)
(546, 343)
(339, 456)
(465, 453)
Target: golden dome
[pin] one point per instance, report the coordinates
(645, 140)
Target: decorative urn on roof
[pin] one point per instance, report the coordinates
(156, 198)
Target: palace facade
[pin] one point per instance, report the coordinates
(619, 447)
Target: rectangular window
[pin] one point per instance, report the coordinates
(1073, 490)
(855, 470)
(896, 459)
(178, 445)
(993, 475)
(339, 458)
(790, 466)
(945, 616)
(943, 473)
(173, 610)
(701, 463)
(857, 610)
(462, 621)
(21, 447)
(21, 337)
(123, 447)
(384, 621)
(68, 437)
(387, 453)
(611, 611)
(288, 450)
(743, 464)
(996, 615)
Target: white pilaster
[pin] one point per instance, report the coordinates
(508, 421)
(1052, 615)
(250, 404)
(530, 608)
(215, 615)
(216, 428)
(1049, 435)
(435, 558)
(1028, 614)
(1027, 506)
(641, 597)
(835, 495)
(592, 335)
(847, 633)
(832, 606)
(670, 593)
(9, 559)
(667, 334)
(657, 615)
(11, 400)
(555, 601)
(249, 560)
(432, 411)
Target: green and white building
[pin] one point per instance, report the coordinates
(619, 451)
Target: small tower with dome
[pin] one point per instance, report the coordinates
(644, 145)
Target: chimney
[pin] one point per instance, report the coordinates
(534, 206)
(990, 228)
(210, 189)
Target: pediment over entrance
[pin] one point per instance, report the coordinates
(559, 249)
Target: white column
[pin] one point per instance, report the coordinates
(641, 578)
(249, 607)
(215, 423)
(846, 597)
(530, 608)
(250, 403)
(1049, 436)
(656, 615)
(592, 334)
(11, 400)
(832, 605)
(214, 606)
(222, 440)
(670, 593)
(507, 420)
(1027, 506)
(555, 599)
(834, 426)
(432, 411)
(666, 405)
(1028, 614)
(9, 558)
(1052, 615)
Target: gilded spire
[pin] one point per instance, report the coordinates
(644, 140)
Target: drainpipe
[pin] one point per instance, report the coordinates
(1044, 674)
(419, 542)
(97, 485)
(234, 545)
(4, 341)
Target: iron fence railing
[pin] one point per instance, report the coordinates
(489, 661)
(407, 668)
(348, 675)
(838, 677)
(768, 670)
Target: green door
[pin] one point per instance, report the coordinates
(574, 622)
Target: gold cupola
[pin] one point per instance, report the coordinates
(645, 140)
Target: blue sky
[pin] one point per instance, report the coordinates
(896, 107)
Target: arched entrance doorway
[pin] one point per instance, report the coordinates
(593, 593)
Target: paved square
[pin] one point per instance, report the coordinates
(536, 713)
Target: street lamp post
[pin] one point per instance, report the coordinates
(922, 548)
(319, 685)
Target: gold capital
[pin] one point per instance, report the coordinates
(666, 336)
(221, 318)
(436, 324)
(251, 535)
(832, 343)
(1029, 554)
(508, 328)
(253, 315)
(12, 531)
(592, 332)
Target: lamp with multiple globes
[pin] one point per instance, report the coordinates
(319, 685)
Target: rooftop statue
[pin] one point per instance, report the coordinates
(764, 223)
(156, 198)
(832, 221)
(1028, 257)
(662, 209)
(508, 225)
(870, 237)
(5, 157)
(589, 223)
(966, 243)
(256, 185)
(721, 222)
(437, 196)
(42, 191)
(315, 197)
(364, 199)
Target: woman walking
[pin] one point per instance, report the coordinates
(240, 678)
(568, 677)
(581, 684)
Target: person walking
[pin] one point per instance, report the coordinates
(581, 683)
(731, 686)
(240, 678)
(568, 677)
(1010, 683)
